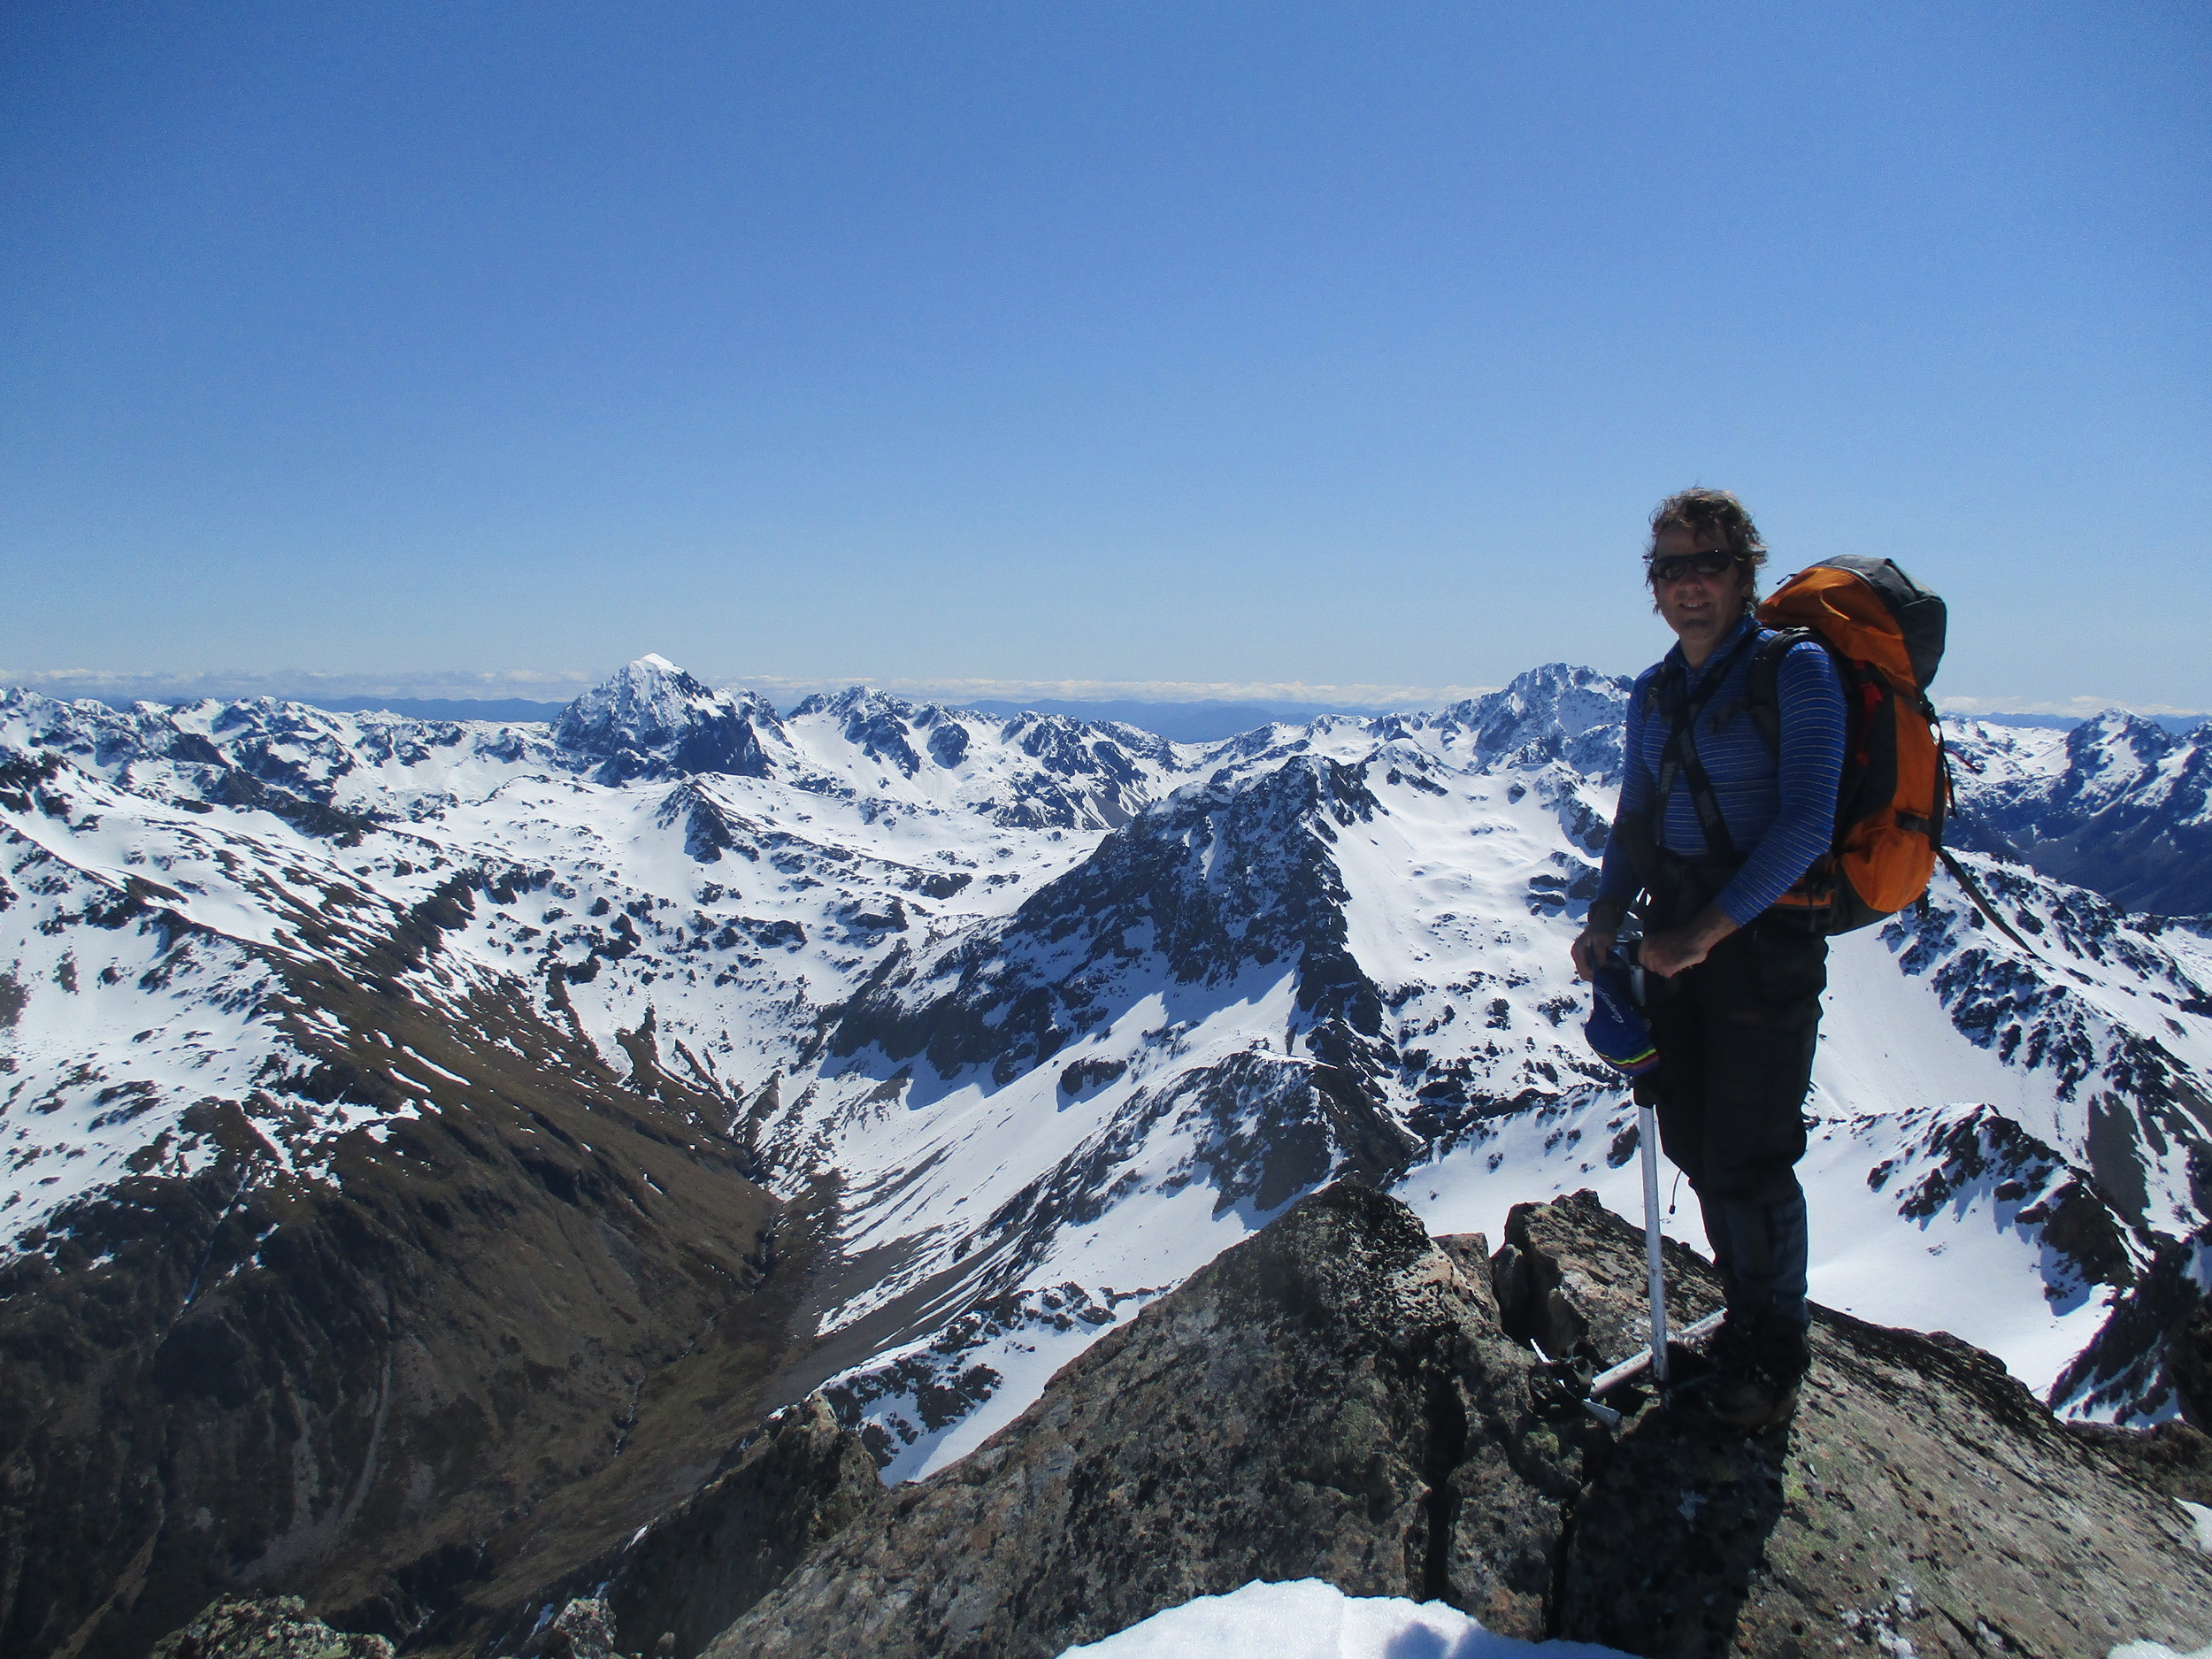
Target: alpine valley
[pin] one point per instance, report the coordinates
(434, 1150)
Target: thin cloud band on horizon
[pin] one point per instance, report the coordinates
(561, 685)
(2070, 707)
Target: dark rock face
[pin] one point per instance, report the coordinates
(2154, 1351)
(264, 1627)
(2172, 1457)
(1563, 1277)
(1210, 883)
(678, 1583)
(709, 830)
(1328, 1398)
(1921, 1494)
(1337, 1398)
(700, 1566)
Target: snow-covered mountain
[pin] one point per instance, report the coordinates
(2119, 805)
(1031, 1018)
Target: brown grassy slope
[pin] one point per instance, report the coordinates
(533, 1317)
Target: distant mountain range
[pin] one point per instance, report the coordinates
(2068, 722)
(432, 1145)
(1200, 721)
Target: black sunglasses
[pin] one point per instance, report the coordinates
(1675, 566)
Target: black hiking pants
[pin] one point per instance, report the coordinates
(1736, 1036)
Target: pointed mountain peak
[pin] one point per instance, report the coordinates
(1558, 712)
(650, 719)
(2117, 737)
(650, 674)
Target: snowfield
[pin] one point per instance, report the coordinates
(1307, 1619)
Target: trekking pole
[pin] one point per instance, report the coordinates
(1655, 1264)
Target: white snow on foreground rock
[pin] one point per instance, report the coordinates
(1312, 1620)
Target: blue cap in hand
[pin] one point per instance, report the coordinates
(1616, 1028)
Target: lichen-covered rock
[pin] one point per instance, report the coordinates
(1336, 1399)
(264, 1627)
(1922, 1496)
(1332, 1399)
(1572, 1271)
(580, 1630)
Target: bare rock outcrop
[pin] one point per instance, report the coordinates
(1920, 1495)
(697, 1570)
(1339, 1397)
(1331, 1398)
(1562, 1277)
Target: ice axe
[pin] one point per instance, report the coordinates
(1617, 1031)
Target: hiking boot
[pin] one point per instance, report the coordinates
(1752, 1402)
(1758, 1373)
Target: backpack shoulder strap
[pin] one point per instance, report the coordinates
(1761, 693)
(1678, 758)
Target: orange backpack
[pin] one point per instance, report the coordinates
(1885, 632)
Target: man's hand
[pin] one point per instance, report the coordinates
(1595, 944)
(1668, 954)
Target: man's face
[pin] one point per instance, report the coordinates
(1700, 610)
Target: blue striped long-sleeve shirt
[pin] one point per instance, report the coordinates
(1780, 816)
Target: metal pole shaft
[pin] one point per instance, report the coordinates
(1648, 1136)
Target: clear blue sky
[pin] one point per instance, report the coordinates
(1207, 344)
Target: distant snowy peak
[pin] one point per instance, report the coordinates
(2117, 756)
(888, 729)
(2119, 805)
(1555, 712)
(652, 719)
(1028, 772)
(867, 714)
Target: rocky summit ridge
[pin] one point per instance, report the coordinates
(432, 1146)
(1343, 1398)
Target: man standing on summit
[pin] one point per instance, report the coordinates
(1714, 823)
